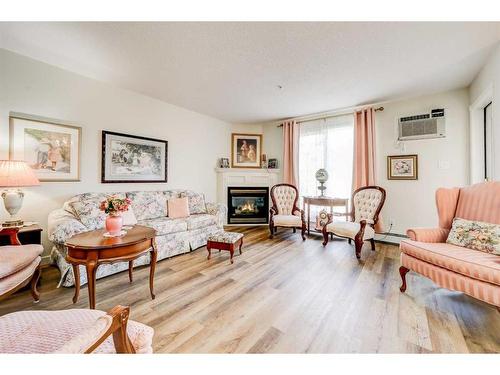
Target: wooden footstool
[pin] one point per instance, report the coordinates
(224, 241)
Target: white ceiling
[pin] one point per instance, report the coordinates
(231, 70)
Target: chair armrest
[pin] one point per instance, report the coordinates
(219, 211)
(12, 233)
(434, 235)
(114, 322)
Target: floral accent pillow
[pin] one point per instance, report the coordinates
(476, 235)
(89, 213)
(148, 204)
(196, 202)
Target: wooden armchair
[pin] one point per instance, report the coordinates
(366, 205)
(75, 331)
(19, 265)
(284, 212)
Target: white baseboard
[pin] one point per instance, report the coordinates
(390, 237)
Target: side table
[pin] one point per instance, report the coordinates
(325, 202)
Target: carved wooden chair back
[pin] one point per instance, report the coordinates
(284, 197)
(367, 203)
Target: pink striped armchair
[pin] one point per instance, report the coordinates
(453, 267)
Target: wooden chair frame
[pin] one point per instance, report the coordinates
(32, 279)
(118, 328)
(274, 211)
(358, 239)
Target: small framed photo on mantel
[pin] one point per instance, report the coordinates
(402, 167)
(130, 158)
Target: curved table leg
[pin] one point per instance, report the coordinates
(76, 275)
(34, 281)
(152, 268)
(130, 268)
(91, 267)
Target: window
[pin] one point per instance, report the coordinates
(327, 143)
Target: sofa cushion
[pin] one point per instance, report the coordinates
(178, 207)
(148, 204)
(89, 213)
(287, 220)
(86, 208)
(198, 221)
(475, 235)
(165, 225)
(15, 258)
(471, 263)
(196, 202)
(349, 229)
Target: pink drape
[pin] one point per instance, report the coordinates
(290, 152)
(364, 169)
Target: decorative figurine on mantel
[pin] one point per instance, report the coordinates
(322, 177)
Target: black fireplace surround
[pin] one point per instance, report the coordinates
(248, 205)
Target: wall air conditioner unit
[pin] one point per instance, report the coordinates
(428, 125)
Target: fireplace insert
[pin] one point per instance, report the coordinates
(248, 205)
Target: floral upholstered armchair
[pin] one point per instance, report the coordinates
(75, 331)
(284, 212)
(366, 205)
(19, 265)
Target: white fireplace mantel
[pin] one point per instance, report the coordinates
(234, 177)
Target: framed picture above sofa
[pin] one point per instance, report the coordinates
(130, 158)
(49, 147)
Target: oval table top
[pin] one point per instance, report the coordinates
(95, 240)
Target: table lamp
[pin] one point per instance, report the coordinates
(13, 175)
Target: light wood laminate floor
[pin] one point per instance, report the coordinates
(287, 296)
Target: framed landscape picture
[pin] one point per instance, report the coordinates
(50, 148)
(402, 167)
(246, 150)
(129, 158)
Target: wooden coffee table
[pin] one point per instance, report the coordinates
(92, 249)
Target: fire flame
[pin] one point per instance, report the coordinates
(248, 207)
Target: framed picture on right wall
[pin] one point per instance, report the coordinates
(402, 167)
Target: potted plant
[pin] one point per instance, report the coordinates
(113, 207)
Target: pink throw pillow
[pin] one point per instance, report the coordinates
(178, 207)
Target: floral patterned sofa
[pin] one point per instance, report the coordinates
(174, 236)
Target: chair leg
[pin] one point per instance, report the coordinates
(349, 241)
(34, 281)
(294, 230)
(325, 238)
(403, 271)
(372, 241)
(358, 244)
(303, 231)
(271, 230)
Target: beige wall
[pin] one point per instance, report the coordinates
(443, 162)
(195, 141)
(411, 203)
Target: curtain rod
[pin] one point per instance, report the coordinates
(328, 115)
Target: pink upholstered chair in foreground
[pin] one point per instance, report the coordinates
(284, 212)
(366, 205)
(73, 332)
(457, 268)
(19, 265)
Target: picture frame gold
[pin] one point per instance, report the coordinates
(402, 167)
(246, 150)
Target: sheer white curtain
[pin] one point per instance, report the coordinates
(327, 143)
